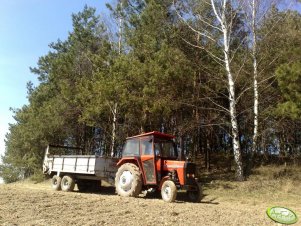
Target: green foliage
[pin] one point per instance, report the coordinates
(289, 81)
(38, 176)
(10, 173)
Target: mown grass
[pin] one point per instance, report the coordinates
(267, 184)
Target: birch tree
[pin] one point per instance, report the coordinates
(255, 73)
(118, 16)
(255, 11)
(224, 15)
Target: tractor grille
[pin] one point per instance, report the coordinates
(190, 169)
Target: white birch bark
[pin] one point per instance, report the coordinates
(255, 75)
(114, 125)
(231, 86)
(120, 33)
(115, 105)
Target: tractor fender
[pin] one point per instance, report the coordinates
(133, 160)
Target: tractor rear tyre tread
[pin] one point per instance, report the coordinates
(131, 174)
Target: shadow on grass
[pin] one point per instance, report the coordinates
(103, 190)
(181, 198)
(110, 190)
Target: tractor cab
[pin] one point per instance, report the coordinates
(148, 161)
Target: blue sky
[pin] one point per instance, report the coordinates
(26, 29)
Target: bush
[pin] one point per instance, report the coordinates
(9, 173)
(38, 176)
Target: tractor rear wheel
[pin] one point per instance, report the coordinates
(195, 195)
(67, 183)
(169, 191)
(128, 180)
(56, 183)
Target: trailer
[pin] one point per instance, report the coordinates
(87, 171)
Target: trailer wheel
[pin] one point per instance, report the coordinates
(128, 180)
(195, 195)
(56, 183)
(67, 183)
(169, 191)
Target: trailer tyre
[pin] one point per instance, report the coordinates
(67, 183)
(169, 191)
(128, 180)
(56, 183)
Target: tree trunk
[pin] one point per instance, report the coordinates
(114, 112)
(232, 108)
(207, 154)
(255, 75)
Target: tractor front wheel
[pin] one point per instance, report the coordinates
(169, 191)
(128, 180)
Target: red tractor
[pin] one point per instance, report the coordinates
(150, 162)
